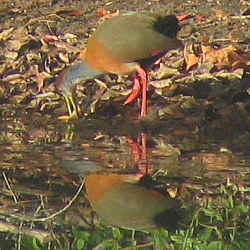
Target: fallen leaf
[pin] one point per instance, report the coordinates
(41, 76)
(160, 84)
(246, 12)
(184, 17)
(108, 15)
(14, 45)
(172, 192)
(64, 57)
(64, 118)
(225, 58)
(11, 55)
(76, 13)
(200, 18)
(70, 37)
(172, 111)
(21, 34)
(220, 13)
(102, 11)
(190, 56)
(13, 78)
(49, 38)
(238, 73)
(191, 60)
(204, 39)
(168, 91)
(5, 34)
(165, 72)
(181, 131)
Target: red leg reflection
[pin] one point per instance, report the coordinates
(139, 150)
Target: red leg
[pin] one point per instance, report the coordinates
(139, 80)
(143, 163)
(135, 150)
(139, 150)
(144, 79)
(135, 91)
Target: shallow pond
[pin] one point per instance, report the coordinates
(44, 164)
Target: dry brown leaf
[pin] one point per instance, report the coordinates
(11, 55)
(21, 34)
(220, 13)
(169, 90)
(5, 34)
(49, 38)
(181, 131)
(225, 58)
(13, 78)
(191, 60)
(165, 72)
(102, 11)
(204, 39)
(76, 13)
(14, 45)
(108, 15)
(41, 76)
(200, 18)
(184, 17)
(190, 56)
(63, 57)
(172, 111)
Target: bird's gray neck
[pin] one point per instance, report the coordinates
(76, 74)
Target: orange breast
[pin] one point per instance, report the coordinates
(100, 59)
(99, 184)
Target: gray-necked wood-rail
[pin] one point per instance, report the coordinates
(120, 200)
(125, 45)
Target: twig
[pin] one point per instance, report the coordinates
(240, 17)
(52, 216)
(14, 229)
(9, 187)
(19, 236)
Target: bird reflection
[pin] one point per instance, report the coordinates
(129, 201)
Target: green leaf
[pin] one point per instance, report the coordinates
(209, 212)
(177, 239)
(242, 208)
(80, 244)
(243, 245)
(231, 201)
(205, 234)
(35, 244)
(215, 245)
(117, 233)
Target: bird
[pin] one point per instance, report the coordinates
(123, 200)
(123, 45)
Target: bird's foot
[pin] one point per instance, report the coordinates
(140, 84)
(67, 118)
(135, 91)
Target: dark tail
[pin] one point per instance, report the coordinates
(168, 26)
